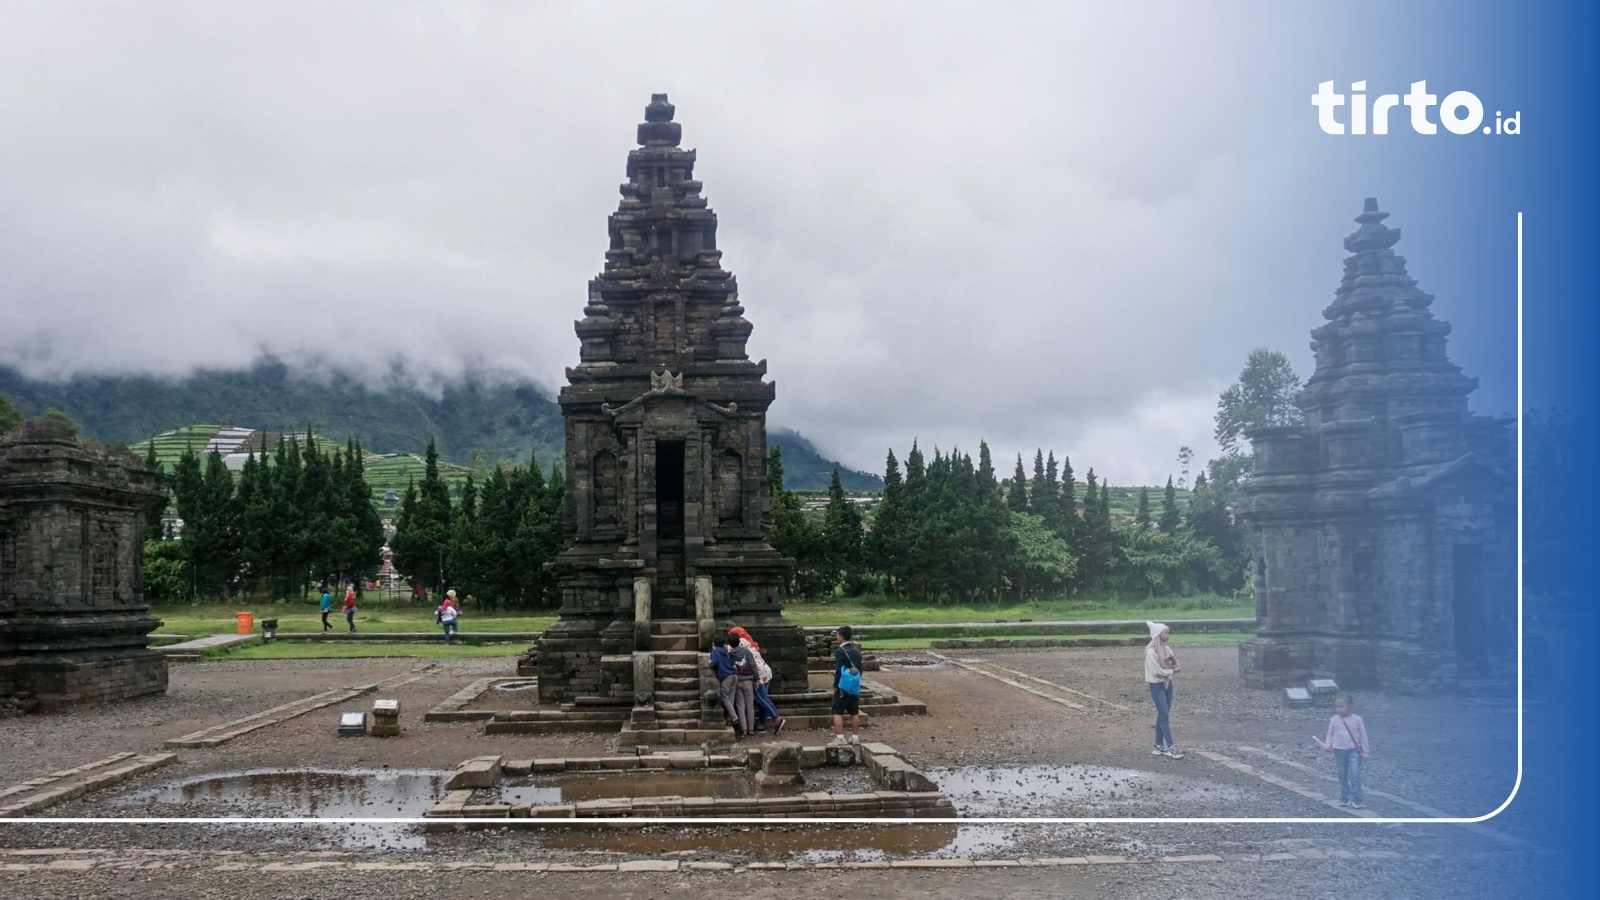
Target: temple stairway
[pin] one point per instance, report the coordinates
(677, 713)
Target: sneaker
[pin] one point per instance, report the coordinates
(1357, 806)
(855, 739)
(1344, 802)
(1174, 753)
(1158, 750)
(760, 729)
(777, 727)
(839, 739)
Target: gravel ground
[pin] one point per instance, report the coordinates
(997, 750)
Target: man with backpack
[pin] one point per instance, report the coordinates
(846, 686)
(744, 696)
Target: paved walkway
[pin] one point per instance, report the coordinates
(191, 649)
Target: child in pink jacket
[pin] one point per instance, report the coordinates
(1347, 741)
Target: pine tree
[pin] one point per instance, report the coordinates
(795, 536)
(885, 542)
(1017, 499)
(422, 533)
(1142, 517)
(841, 530)
(1050, 497)
(1038, 500)
(1170, 517)
(153, 514)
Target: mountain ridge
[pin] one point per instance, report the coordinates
(472, 419)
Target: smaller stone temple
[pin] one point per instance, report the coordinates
(1385, 524)
(74, 626)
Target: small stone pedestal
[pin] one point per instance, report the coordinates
(385, 719)
(780, 764)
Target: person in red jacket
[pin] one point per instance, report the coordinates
(350, 605)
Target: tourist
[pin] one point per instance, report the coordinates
(1347, 741)
(1159, 667)
(350, 606)
(765, 708)
(846, 686)
(744, 696)
(327, 607)
(727, 682)
(419, 594)
(447, 614)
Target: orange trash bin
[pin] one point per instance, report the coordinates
(247, 622)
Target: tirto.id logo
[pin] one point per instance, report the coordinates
(1461, 112)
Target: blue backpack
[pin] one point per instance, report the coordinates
(849, 678)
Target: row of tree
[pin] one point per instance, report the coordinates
(491, 543)
(948, 530)
(299, 516)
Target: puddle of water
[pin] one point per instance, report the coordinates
(726, 784)
(306, 793)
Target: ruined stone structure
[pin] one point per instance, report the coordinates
(74, 627)
(1385, 525)
(666, 499)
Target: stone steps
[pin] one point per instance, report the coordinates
(674, 626)
(673, 641)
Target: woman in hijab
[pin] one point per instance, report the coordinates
(765, 709)
(1159, 667)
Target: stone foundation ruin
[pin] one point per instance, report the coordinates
(1385, 525)
(74, 627)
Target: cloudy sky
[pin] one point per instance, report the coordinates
(1061, 227)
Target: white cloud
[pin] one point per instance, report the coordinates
(1035, 226)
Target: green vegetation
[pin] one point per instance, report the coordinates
(303, 618)
(307, 650)
(948, 532)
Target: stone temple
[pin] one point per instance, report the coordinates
(666, 503)
(1385, 525)
(74, 626)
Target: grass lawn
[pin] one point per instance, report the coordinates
(873, 611)
(402, 616)
(1179, 640)
(303, 618)
(305, 650)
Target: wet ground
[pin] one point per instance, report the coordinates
(997, 750)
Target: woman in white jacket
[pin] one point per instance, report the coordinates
(1159, 667)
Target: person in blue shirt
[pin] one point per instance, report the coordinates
(327, 607)
(727, 682)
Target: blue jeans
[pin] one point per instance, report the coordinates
(1349, 775)
(1161, 695)
(764, 707)
(449, 628)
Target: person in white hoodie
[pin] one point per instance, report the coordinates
(1159, 667)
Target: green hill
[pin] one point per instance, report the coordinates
(475, 422)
